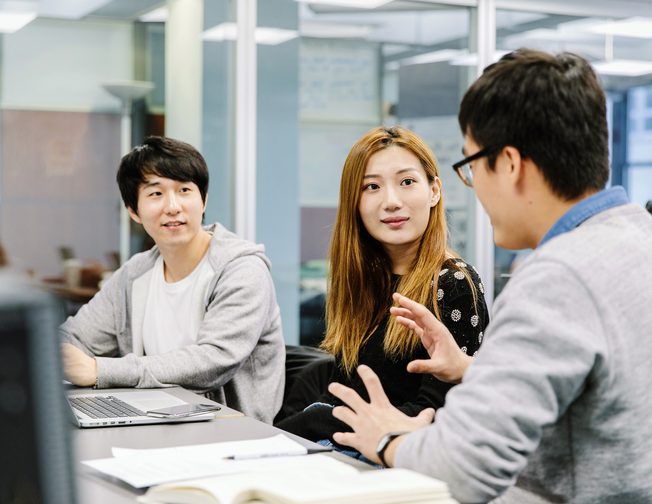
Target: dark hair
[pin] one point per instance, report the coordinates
(648, 206)
(552, 109)
(164, 157)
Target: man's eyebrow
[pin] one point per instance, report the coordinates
(147, 185)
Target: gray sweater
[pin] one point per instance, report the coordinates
(558, 401)
(239, 357)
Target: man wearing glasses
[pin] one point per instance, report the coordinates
(556, 407)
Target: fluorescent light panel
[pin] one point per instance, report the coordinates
(334, 30)
(14, 21)
(68, 9)
(355, 4)
(624, 68)
(471, 59)
(433, 57)
(158, 15)
(549, 35)
(637, 27)
(264, 35)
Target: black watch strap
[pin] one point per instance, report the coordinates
(384, 443)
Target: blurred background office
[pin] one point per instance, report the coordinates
(273, 93)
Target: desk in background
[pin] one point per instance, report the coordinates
(79, 295)
(73, 298)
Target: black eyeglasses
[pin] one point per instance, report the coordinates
(463, 168)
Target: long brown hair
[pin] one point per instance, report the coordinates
(359, 281)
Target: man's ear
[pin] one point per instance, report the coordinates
(134, 215)
(203, 214)
(514, 167)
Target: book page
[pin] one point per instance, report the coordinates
(307, 485)
(251, 485)
(143, 468)
(387, 486)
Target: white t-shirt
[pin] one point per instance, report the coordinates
(174, 311)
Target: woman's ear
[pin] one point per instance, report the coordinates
(436, 192)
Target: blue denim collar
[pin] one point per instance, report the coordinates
(585, 209)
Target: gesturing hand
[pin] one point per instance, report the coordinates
(371, 420)
(78, 367)
(447, 361)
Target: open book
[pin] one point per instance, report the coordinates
(296, 486)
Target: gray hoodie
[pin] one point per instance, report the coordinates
(239, 357)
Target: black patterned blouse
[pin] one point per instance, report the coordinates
(465, 318)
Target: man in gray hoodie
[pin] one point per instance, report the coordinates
(556, 406)
(198, 310)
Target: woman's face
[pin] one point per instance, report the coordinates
(396, 200)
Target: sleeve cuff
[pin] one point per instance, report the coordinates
(116, 372)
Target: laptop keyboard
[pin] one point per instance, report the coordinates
(104, 407)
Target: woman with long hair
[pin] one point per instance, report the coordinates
(390, 235)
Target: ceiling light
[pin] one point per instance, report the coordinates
(224, 31)
(264, 35)
(319, 29)
(158, 15)
(549, 35)
(471, 59)
(14, 21)
(638, 27)
(625, 68)
(68, 9)
(434, 56)
(354, 4)
(274, 36)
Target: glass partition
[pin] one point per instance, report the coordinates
(325, 75)
(405, 63)
(619, 50)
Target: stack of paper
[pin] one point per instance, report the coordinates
(144, 468)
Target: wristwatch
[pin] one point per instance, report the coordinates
(384, 443)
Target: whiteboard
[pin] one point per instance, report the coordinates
(339, 81)
(322, 151)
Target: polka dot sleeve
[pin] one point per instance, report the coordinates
(464, 318)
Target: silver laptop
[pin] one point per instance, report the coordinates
(133, 407)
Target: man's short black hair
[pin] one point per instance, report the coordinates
(552, 109)
(163, 157)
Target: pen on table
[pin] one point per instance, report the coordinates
(249, 456)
